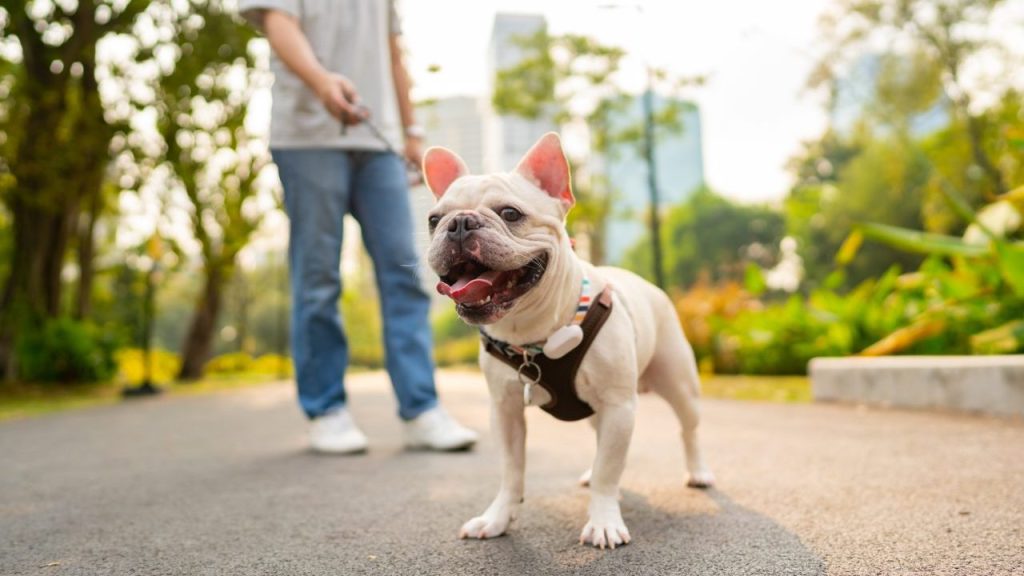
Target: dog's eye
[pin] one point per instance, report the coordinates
(510, 214)
(433, 221)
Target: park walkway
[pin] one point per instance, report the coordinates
(223, 485)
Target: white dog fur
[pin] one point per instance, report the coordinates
(640, 348)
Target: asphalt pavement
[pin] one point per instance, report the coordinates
(224, 484)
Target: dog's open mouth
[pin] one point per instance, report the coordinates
(474, 286)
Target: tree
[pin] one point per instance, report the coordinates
(917, 132)
(54, 144)
(946, 37)
(709, 236)
(816, 170)
(208, 155)
(572, 79)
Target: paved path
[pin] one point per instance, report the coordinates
(223, 485)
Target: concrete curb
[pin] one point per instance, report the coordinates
(977, 384)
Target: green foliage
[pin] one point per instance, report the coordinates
(166, 365)
(920, 242)
(258, 307)
(459, 352)
(981, 288)
(779, 339)
(572, 78)
(272, 364)
(965, 298)
(242, 363)
(66, 351)
(455, 342)
(709, 235)
(361, 314)
(5, 236)
(891, 165)
(233, 363)
(448, 326)
(131, 365)
(55, 137)
(788, 390)
(881, 181)
(201, 104)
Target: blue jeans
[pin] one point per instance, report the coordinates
(320, 187)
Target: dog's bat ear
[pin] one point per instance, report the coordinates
(546, 167)
(441, 167)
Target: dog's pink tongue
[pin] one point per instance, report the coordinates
(468, 289)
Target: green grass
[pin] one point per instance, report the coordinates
(21, 400)
(25, 400)
(781, 389)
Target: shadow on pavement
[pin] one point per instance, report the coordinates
(191, 486)
(723, 538)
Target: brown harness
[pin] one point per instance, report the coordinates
(558, 377)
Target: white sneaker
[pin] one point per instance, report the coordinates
(436, 430)
(336, 433)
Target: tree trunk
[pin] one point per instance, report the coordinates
(242, 313)
(86, 248)
(23, 300)
(60, 227)
(199, 340)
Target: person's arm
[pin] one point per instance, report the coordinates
(413, 139)
(286, 38)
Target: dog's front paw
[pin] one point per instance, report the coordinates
(605, 527)
(602, 534)
(484, 527)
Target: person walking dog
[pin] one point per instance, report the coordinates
(338, 66)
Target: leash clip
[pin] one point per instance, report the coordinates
(528, 380)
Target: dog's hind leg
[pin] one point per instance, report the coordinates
(672, 374)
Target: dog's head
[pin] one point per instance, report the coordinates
(494, 236)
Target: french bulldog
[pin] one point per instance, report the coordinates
(500, 248)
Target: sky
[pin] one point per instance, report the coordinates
(757, 55)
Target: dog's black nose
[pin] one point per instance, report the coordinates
(462, 225)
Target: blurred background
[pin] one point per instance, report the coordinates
(808, 178)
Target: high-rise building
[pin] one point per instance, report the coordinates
(469, 125)
(679, 160)
(507, 138)
(455, 122)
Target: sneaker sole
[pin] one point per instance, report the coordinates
(337, 452)
(463, 447)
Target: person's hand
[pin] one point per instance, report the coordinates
(339, 97)
(414, 154)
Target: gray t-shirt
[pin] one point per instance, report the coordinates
(349, 37)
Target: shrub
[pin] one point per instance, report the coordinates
(460, 352)
(361, 315)
(233, 363)
(130, 365)
(704, 307)
(65, 350)
(272, 364)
